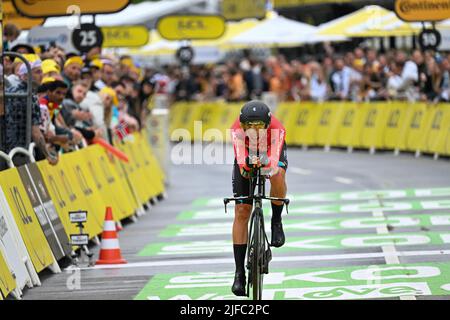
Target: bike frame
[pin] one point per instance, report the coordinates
(257, 232)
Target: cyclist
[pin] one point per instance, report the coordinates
(259, 142)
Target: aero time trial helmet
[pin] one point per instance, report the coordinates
(255, 114)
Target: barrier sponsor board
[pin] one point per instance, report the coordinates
(389, 125)
(45, 219)
(7, 282)
(13, 248)
(26, 220)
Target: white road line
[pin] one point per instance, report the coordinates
(301, 171)
(389, 251)
(182, 262)
(343, 180)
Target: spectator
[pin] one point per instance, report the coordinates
(16, 114)
(340, 80)
(72, 70)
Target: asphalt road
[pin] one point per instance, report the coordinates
(360, 226)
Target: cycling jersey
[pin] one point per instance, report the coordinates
(273, 146)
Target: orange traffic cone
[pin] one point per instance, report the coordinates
(110, 250)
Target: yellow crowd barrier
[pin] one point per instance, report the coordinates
(89, 179)
(7, 282)
(402, 126)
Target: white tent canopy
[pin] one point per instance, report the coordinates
(279, 31)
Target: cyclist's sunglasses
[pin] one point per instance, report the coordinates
(256, 125)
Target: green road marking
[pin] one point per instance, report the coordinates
(217, 228)
(303, 243)
(362, 207)
(347, 196)
(359, 282)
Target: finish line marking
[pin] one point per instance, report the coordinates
(182, 262)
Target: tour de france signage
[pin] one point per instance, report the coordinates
(422, 10)
(52, 8)
(191, 27)
(10, 15)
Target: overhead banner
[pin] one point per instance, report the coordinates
(238, 9)
(113, 37)
(12, 16)
(53, 8)
(422, 10)
(125, 36)
(191, 27)
(62, 36)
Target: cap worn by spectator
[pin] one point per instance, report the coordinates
(23, 48)
(33, 60)
(110, 92)
(50, 65)
(96, 63)
(74, 59)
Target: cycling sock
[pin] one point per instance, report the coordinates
(240, 251)
(276, 212)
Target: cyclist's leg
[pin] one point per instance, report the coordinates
(278, 189)
(240, 229)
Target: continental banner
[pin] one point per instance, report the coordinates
(422, 10)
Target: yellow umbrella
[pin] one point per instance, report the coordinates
(388, 25)
(371, 15)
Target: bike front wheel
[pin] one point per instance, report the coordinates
(258, 248)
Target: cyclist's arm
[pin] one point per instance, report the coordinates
(277, 137)
(240, 151)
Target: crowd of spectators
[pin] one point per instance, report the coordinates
(78, 98)
(75, 99)
(358, 75)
